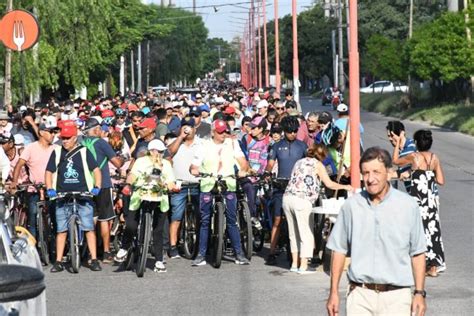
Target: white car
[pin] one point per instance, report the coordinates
(384, 86)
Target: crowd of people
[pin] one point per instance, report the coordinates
(79, 145)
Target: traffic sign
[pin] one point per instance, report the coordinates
(19, 30)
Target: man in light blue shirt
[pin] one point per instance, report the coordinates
(382, 231)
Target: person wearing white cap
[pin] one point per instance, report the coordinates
(5, 124)
(262, 107)
(150, 169)
(343, 119)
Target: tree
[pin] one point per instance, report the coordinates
(439, 51)
(383, 58)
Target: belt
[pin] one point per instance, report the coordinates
(376, 287)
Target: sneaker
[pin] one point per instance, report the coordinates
(95, 265)
(199, 261)
(159, 267)
(271, 260)
(240, 259)
(121, 256)
(294, 269)
(256, 223)
(108, 257)
(306, 271)
(174, 254)
(57, 267)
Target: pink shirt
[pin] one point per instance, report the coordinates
(37, 157)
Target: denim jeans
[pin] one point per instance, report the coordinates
(33, 198)
(231, 221)
(251, 193)
(178, 202)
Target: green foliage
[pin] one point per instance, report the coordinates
(439, 50)
(383, 58)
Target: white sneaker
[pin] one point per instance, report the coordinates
(121, 255)
(307, 271)
(159, 267)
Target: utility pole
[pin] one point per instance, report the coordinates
(194, 6)
(277, 50)
(265, 48)
(139, 74)
(147, 64)
(122, 74)
(341, 47)
(296, 67)
(354, 96)
(254, 47)
(259, 47)
(132, 70)
(334, 58)
(7, 81)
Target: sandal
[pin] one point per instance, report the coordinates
(432, 272)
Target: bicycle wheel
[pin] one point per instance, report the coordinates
(217, 241)
(74, 244)
(189, 227)
(116, 233)
(245, 225)
(143, 243)
(43, 233)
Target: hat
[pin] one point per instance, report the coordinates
(188, 121)
(168, 105)
(107, 113)
(276, 128)
(262, 104)
(148, 123)
(156, 144)
(132, 108)
(68, 131)
(23, 108)
(198, 96)
(229, 110)
(260, 90)
(195, 110)
(49, 123)
(19, 140)
(219, 126)
(146, 110)
(4, 115)
(342, 108)
(205, 108)
(6, 137)
(105, 128)
(91, 123)
(259, 121)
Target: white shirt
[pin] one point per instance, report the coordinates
(4, 165)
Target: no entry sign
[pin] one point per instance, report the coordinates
(19, 30)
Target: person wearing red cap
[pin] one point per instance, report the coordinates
(146, 129)
(218, 157)
(72, 168)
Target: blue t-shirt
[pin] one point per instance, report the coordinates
(408, 148)
(174, 125)
(71, 171)
(287, 153)
(105, 153)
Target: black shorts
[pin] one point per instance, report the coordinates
(104, 205)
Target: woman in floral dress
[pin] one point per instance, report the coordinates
(426, 175)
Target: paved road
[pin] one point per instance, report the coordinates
(260, 289)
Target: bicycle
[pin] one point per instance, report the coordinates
(118, 224)
(244, 223)
(263, 198)
(45, 229)
(188, 235)
(18, 207)
(75, 234)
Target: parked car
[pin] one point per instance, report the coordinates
(383, 87)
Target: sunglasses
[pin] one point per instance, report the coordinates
(280, 108)
(121, 117)
(194, 115)
(293, 131)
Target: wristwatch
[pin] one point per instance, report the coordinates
(420, 292)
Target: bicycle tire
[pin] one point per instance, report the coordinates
(218, 235)
(189, 227)
(118, 233)
(74, 245)
(42, 233)
(246, 234)
(258, 239)
(144, 243)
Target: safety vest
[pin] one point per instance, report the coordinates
(87, 174)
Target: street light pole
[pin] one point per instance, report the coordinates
(354, 97)
(265, 48)
(296, 70)
(340, 46)
(277, 50)
(259, 47)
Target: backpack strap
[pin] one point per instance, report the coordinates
(89, 144)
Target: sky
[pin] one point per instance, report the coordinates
(228, 21)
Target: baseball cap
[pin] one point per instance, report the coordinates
(6, 137)
(259, 121)
(205, 108)
(220, 126)
(132, 108)
(198, 96)
(4, 115)
(188, 121)
(107, 113)
(148, 123)
(91, 123)
(229, 110)
(68, 131)
(156, 144)
(262, 104)
(342, 108)
(19, 140)
(195, 110)
(23, 108)
(49, 124)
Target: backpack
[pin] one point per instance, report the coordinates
(89, 144)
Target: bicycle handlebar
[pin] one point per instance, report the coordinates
(62, 195)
